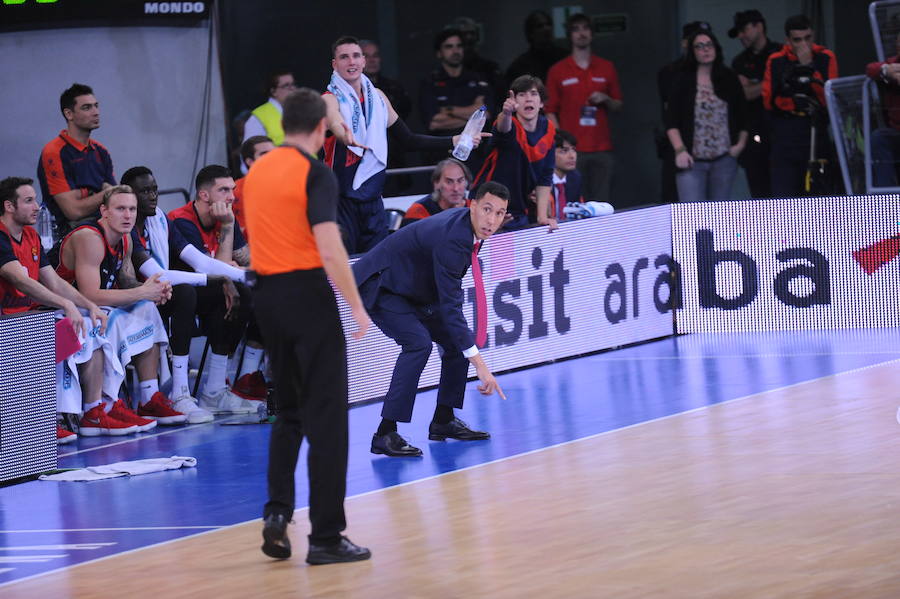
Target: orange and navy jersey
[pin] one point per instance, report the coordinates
(776, 97)
(66, 164)
(28, 252)
(287, 193)
(421, 209)
(186, 220)
(521, 160)
(344, 163)
(113, 258)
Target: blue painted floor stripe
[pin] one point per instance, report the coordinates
(547, 405)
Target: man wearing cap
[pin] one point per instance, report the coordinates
(750, 66)
(665, 80)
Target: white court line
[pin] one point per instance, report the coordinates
(497, 461)
(144, 437)
(30, 559)
(73, 547)
(114, 529)
(601, 357)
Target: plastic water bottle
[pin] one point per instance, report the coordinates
(45, 227)
(466, 139)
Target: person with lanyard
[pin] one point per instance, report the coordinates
(359, 118)
(290, 199)
(411, 284)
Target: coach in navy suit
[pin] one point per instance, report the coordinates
(411, 285)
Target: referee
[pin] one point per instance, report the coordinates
(291, 209)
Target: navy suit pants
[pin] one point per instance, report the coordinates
(415, 328)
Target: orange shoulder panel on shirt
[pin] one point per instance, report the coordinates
(275, 209)
(51, 161)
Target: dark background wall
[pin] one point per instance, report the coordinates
(259, 36)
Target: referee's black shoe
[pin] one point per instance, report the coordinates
(275, 540)
(455, 429)
(392, 444)
(345, 551)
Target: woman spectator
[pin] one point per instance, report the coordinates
(706, 122)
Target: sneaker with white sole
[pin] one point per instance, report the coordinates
(226, 402)
(187, 405)
(97, 422)
(159, 408)
(64, 436)
(120, 411)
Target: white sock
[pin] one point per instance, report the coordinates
(252, 358)
(180, 385)
(90, 406)
(215, 380)
(108, 404)
(148, 388)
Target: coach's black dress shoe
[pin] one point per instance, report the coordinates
(275, 540)
(345, 551)
(455, 429)
(392, 444)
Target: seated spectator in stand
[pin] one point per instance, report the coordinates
(27, 282)
(522, 158)
(96, 257)
(566, 178)
(542, 53)
(74, 169)
(885, 151)
(450, 94)
(159, 240)
(392, 88)
(451, 179)
(207, 223)
(665, 81)
(706, 122)
(265, 119)
(472, 60)
(251, 150)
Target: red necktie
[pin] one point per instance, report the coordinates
(560, 201)
(480, 299)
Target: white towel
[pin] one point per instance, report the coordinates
(157, 228)
(369, 127)
(131, 330)
(68, 389)
(118, 469)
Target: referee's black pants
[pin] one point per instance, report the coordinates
(301, 329)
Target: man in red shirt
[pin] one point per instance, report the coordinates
(581, 90)
(27, 281)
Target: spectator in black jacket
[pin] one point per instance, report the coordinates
(706, 122)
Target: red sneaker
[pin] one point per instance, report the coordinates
(97, 422)
(64, 436)
(160, 409)
(121, 412)
(251, 386)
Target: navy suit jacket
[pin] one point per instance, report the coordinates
(573, 187)
(425, 263)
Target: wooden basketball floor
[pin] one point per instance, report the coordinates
(790, 492)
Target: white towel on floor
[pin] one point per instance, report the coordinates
(132, 468)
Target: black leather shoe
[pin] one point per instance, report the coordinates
(392, 444)
(455, 429)
(345, 551)
(275, 540)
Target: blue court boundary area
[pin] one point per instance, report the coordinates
(63, 524)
